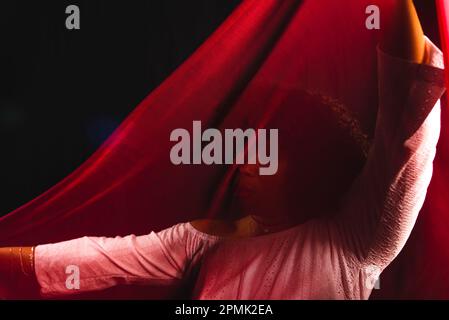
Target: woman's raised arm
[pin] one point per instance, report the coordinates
(403, 36)
(383, 204)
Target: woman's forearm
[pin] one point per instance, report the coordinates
(403, 35)
(96, 263)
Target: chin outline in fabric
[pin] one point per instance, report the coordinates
(228, 149)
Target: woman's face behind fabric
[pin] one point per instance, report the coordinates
(262, 195)
(318, 160)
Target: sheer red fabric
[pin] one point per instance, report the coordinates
(443, 18)
(253, 72)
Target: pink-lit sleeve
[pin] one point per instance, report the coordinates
(96, 263)
(383, 204)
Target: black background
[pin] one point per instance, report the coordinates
(282, 309)
(62, 92)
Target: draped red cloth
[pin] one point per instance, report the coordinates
(443, 18)
(253, 67)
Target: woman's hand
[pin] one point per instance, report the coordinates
(17, 279)
(5, 273)
(402, 35)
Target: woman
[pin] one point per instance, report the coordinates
(269, 254)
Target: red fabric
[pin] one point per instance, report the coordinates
(443, 17)
(251, 73)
